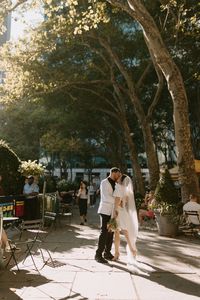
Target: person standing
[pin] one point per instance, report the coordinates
(31, 189)
(105, 211)
(32, 204)
(126, 217)
(83, 197)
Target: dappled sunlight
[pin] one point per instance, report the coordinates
(169, 264)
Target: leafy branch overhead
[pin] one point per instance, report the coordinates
(55, 59)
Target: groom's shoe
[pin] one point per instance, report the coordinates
(100, 259)
(108, 256)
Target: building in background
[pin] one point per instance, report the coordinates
(6, 35)
(3, 39)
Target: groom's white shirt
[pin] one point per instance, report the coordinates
(107, 201)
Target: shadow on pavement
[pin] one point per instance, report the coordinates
(175, 282)
(10, 281)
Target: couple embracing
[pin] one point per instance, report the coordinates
(117, 201)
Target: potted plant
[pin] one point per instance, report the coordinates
(31, 168)
(167, 206)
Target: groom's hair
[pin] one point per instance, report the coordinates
(114, 170)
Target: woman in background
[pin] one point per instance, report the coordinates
(83, 198)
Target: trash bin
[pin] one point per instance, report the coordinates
(31, 208)
(19, 208)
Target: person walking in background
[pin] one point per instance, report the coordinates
(105, 210)
(83, 198)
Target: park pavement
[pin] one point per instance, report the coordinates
(168, 268)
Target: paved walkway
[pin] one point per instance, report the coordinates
(170, 268)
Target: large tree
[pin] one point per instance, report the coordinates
(176, 87)
(161, 59)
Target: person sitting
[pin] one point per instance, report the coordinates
(31, 189)
(146, 208)
(193, 206)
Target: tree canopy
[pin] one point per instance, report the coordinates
(114, 74)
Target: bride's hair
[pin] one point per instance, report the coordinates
(123, 177)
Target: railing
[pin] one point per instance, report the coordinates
(15, 206)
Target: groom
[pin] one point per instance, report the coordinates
(105, 210)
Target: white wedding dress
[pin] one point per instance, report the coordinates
(127, 214)
(127, 220)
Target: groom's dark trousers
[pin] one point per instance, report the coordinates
(105, 238)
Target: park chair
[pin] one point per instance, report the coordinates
(190, 227)
(65, 210)
(51, 219)
(29, 244)
(35, 228)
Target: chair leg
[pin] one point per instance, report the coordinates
(12, 256)
(46, 261)
(31, 255)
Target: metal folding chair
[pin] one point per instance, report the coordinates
(50, 218)
(34, 226)
(192, 226)
(29, 244)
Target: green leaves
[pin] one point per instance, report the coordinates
(165, 190)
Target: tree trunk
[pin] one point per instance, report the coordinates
(139, 181)
(155, 44)
(152, 159)
(188, 178)
(151, 154)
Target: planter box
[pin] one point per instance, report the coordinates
(165, 225)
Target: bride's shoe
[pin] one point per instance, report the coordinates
(116, 257)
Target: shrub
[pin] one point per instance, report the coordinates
(64, 185)
(166, 190)
(50, 184)
(13, 181)
(139, 199)
(167, 198)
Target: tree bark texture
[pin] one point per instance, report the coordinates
(188, 178)
(151, 154)
(155, 44)
(139, 181)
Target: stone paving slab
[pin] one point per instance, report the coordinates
(171, 268)
(109, 286)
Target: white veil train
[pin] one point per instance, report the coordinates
(133, 219)
(133, 265)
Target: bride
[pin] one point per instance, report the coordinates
(126, 217)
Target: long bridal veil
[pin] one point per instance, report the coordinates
(133, 219)
(134, 266)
